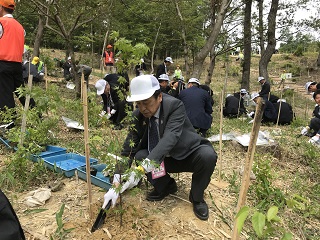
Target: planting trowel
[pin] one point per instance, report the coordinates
(101, 217)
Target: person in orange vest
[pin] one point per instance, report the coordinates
(12, 47)
(108, 57)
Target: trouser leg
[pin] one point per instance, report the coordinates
(201, 163)
(315, 125)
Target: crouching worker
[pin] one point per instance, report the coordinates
(163, 135)
(313, 130)
(269, 112)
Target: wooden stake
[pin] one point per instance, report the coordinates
(248, 163)
(86, 142)
(103, 48)
(46, 76)
(25, 110)
(220, 141)
(280, 103)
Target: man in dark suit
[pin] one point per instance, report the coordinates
(163, 67)
(265, 88)
(269, 112)
(198, 106)
(163, 134)
(286, 114)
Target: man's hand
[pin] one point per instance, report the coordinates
(304, 131)
(110, 195)
(315, 139)
(147, 165)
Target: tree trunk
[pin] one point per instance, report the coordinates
(38, 38)
(212, 64)
(184, 38)
(245, 83)
(203, 53)
(261, 32)
(265, 58)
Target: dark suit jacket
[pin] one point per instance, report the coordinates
(198, 105)
(286, 113)
(161, 69)
(265, 89)
(177, 135)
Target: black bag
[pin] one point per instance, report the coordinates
(10, 228)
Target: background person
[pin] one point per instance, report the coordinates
(269, 112)
(40, 67)
(313, 128)
(177, 73)
(67, 70)
(163, 80)
(312, 87)
(11, 50)
(163, 67)
(140, 68)
(198, 106)
(108, 57)
(265, 88)
(163, 134)
(286, 112)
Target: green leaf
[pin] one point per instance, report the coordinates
(30, 211)
(258, 223)
(287, 236)
(241, 217)
(272, 212)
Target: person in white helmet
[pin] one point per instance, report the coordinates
(265, 88)
(163, 67)
(163, 134)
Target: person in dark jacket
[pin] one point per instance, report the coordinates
(29, 68)
(67, 73)
(312, 87)
(234, 104)
(209, 90)
(140, 68)
(113, 106)
(10, 228)
(163, 67)
(269, 112)
(286, 113)
(162, 134)
(164, 83)
(198, 106)
(313, 129)
(265, 88)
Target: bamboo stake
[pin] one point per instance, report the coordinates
(25, 110)
(220, 140)
(86, 142)
(248, 163)
(46, 76)
(280, 103)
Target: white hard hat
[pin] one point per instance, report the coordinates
(169, 59)
(260, 78)
(254, 95)
(164, 77)
(308, 85)
(194, 80)
(100, 86)
(243, 91)
(142, 87)
(281, 100)
(69, 58)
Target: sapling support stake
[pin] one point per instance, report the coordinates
(86, 142)
(26, 107)
(280, 103)
(46, 76)
(248, 163)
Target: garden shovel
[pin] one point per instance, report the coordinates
(101, 217)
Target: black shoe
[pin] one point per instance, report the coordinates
(200, 209)
(156, 196)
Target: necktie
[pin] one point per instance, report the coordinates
(153, 133)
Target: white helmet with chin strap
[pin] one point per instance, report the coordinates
(142, 87)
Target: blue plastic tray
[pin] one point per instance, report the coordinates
(66, 163)
(99, 180)
(50, 151)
